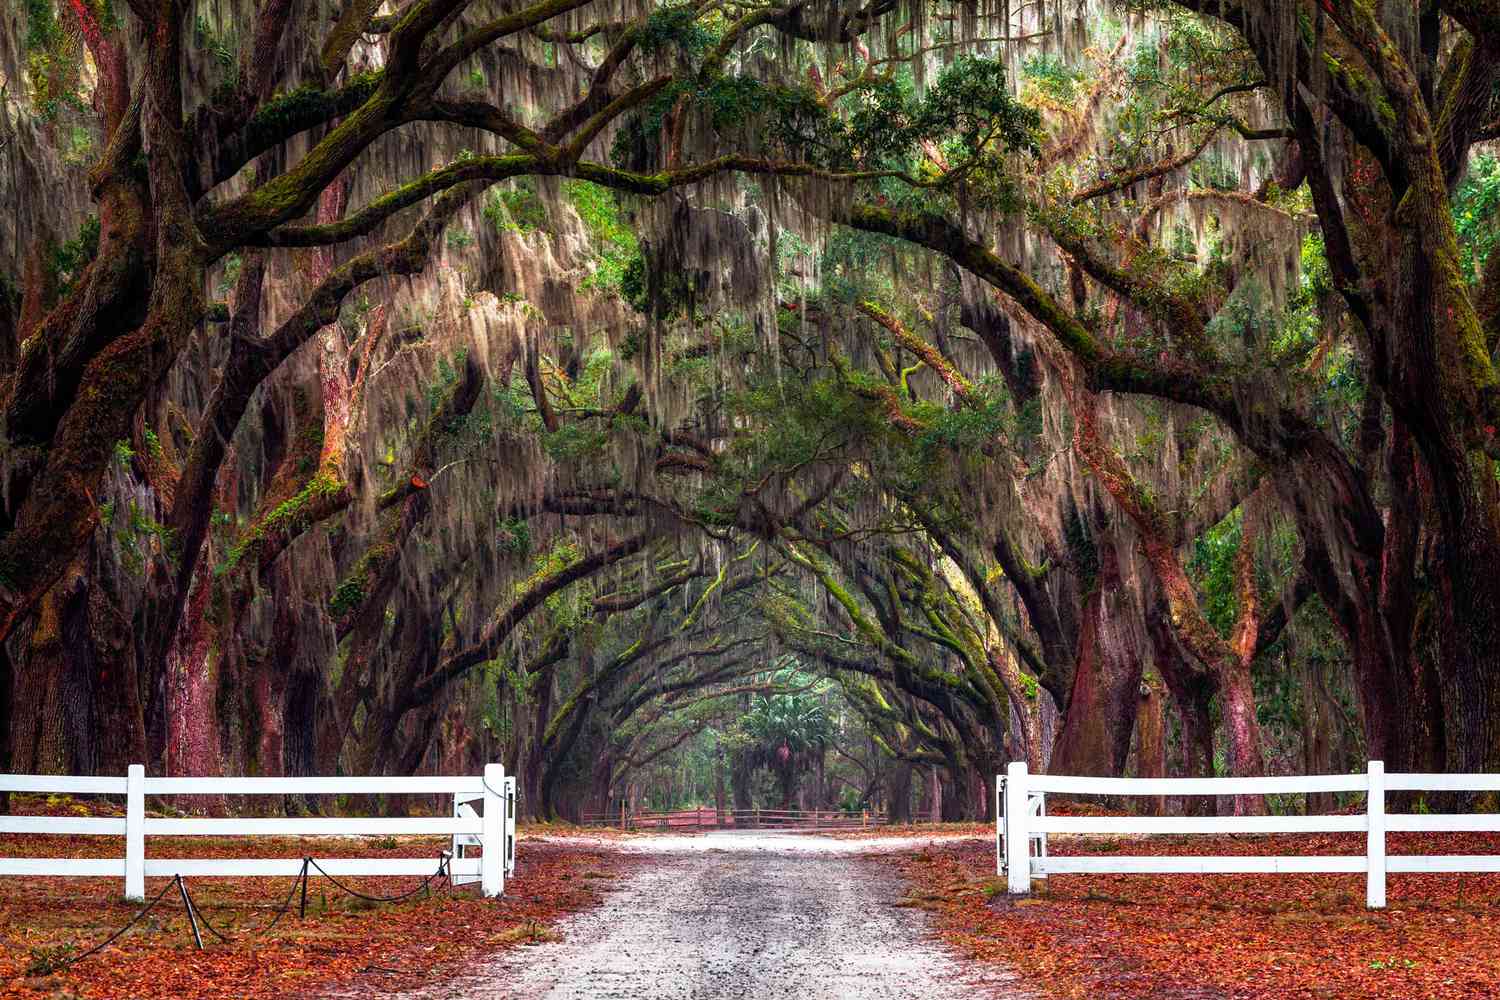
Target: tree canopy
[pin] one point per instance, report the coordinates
(395, 384)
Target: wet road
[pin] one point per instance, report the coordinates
(729, 916)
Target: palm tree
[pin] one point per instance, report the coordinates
(787, 733)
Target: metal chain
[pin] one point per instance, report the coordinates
(442, 872)
(286, 904)
(195, 913)
(132, 922)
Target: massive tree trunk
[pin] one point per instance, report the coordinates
(1192, 689)
(534, 764)
(719, 801)
(75, 695)
(1443, 387)
(1151, 740)
(601, 785)
(1349, 558)
(898, 792)
(7, 719)
(741, 776)
(113, 642)
(1415, 724)
(1317, 731)
(962, 793)
(1100, 714)
(1236, 686)
(53, 699)
(930, 796)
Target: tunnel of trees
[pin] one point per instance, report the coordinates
(801, 403)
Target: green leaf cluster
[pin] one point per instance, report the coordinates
(617, 252)
(1475, 207)
(69, 259)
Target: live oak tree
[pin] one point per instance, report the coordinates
(1383, 109)
(977, 321)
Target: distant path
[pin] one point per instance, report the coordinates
(761, 917)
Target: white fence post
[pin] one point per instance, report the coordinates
(135, 832)
(1040, 836)
(999, 828)
(1375, 837)
(1017, 837)
(510, 826)
(492, 860)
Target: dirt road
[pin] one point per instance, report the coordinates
(740, 916)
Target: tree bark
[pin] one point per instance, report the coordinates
(1101, 710)
(1317, 730)
(1151, 740)
(1192, 690)
(898, 792)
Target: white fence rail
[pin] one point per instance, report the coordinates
(493, 825)
(1022, 826)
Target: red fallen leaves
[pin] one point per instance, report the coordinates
(342, 941)
(1225, 937)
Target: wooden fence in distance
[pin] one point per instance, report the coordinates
(701, 820)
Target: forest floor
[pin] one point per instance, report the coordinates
(1221, 937)
(342, 943)
(862, 915)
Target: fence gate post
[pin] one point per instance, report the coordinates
(999, 825)
(1017, 837)
(492, 860)
(135, 832)
(1375, 837)
(510, 826)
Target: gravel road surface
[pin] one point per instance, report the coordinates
(741, 915)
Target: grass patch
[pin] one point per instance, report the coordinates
(48, 959)
(529, 932)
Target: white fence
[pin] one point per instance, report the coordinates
(493, 827)
(1022, 823)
